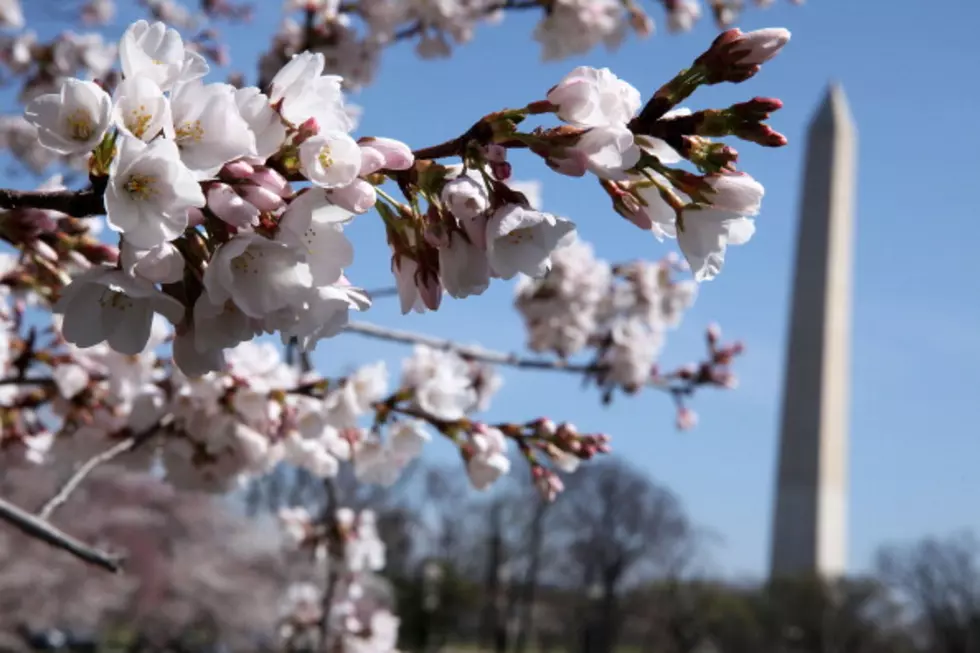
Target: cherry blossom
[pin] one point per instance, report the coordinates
(73, 120)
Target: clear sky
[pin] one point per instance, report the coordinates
(910, 73)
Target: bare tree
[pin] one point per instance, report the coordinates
(616, 526)
(940, 581)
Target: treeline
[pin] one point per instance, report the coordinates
(614, 566)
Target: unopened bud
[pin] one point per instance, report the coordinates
(496, 153)
(236, 170)
(44, 250)
(260, 197)
(271, 180)
(306, 130)
(714, 333)
(641, 22)
(761, 45)
(502, 170)
(687, 419)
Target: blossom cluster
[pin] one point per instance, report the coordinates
(352, 35)
(622, 312)
(355, 619)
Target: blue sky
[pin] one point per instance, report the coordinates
(909, 73)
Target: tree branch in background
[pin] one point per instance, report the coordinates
(100, 459)
(38, 528)
(469, 352)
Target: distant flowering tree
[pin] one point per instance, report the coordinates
(225, 208)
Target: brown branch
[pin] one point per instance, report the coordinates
(471, 353)
(38, 528)
(76, 203)
(115, 451)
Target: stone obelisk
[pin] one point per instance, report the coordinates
(809, 535)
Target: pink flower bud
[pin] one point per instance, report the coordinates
(236, 170)
(496, 153)
(44, 250)
(359, 196)
(307, 130)
(225, 203)
(262, 198)
(372, 160)
(759, 46)
(271, 180)
(714, 333)
(545, 427)
(687, 419)
(396, 155)
(502, 170)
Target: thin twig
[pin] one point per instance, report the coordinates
(334, 557)
(38, 528)
(379, 293)
(118, 449)
(468, 352)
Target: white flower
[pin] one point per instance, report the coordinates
(407, 439)
(608, 151)
(303, 93)
(466, 196)
(152, 51)
(265, 123)
(259, 275)
(520, 240)
(324, 314)
(142, 109)
(314, 225)
(706, 236)
(74, 120)
(311, 455)
(149, 192)
(404, 269)
(220, 326)
(709, 230)
(194, 361)
(464, 268)
(11, 14)
(208, 127)
(488, 461)
(736, 192)
(590, 97)
(104, 304)
(331, 159)
(161, 264)
(447, 395)
(70, 379)
(373, 463)
(296, 522)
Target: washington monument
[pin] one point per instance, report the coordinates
(809, 535)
